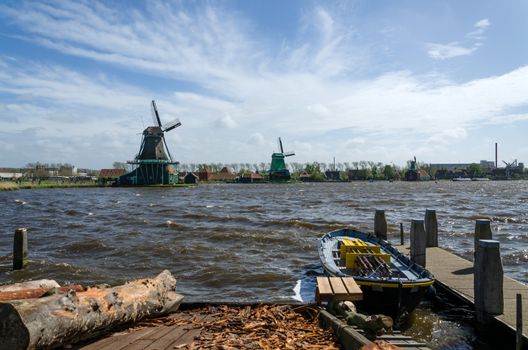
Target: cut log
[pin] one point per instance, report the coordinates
(29, 285)
(37, 292)
(63, 319)
(376, 324)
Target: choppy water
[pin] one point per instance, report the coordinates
(235, 242)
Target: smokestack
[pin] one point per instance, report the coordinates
(496, 160)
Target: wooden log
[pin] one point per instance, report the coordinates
(29, 285)
(418, 242)
(372, 324)
(64, 319)
(431, 228)
(402, 239)
(488, 283)
(37, 292)
(20, 249)
(380, 224)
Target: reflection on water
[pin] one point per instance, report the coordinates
(235, 242)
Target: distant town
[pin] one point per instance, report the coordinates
(259, 172)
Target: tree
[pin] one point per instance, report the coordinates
(475, 170)
(388, 172)
(119, 165)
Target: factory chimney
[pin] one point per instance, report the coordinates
(496, 160)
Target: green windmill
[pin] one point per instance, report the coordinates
(278, 171)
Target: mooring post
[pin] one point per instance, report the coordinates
(488, 280)
(431, 228)
(418, 242)
(402, 240)
(519, 335)
(20, 249)
(380, 224)
(482, 231)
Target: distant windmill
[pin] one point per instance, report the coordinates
(509, 167)
(155, 163)
(278, 171)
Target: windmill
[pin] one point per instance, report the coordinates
(278, 171)
(509, 167)
(155, 165)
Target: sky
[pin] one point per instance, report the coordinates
(355, 80)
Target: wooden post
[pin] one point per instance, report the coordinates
(519, 335)
(402, 239)
(431, 228)
(488, 281)
(380, 224)
(482, 231)
(20, 249)
(418, 242)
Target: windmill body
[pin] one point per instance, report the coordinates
(278, 169)
(154, 164)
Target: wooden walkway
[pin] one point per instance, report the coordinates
(456, 273)
(224, 327)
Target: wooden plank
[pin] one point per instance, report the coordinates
(353, 289)
(170, 337)
(117, 342)
(324, 286)
(337, 286)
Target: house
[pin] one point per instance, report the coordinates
(11, 173)
(305, 177)
(191, 178)
(111, 174)
(226, 175)
(204, 174)
(332, 175)
(250, 177)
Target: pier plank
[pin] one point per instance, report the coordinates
(457, 273)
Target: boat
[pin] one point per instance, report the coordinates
(461, 179)
(392, 284)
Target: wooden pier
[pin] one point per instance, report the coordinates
(455, 275)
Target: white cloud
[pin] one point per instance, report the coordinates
(456, 48)
(226, 122)
(301, 93)
(448, 136)
(256, 138)
(450, 50)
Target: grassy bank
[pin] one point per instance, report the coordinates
(10, 185)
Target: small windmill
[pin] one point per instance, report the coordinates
(278, 171)
(155, 163)
(509, 167)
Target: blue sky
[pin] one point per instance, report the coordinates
(356, 80)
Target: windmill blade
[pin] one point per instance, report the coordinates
(288, 154)
(155, 114)
(280, 146)
(172, 125)
(167, 148)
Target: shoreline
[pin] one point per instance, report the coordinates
(13, 186)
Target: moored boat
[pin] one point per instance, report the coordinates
(391, 283)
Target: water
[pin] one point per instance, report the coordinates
(246, 243)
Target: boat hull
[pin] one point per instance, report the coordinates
(390, 296)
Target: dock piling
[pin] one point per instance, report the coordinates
(418, 242)
(519, 334)
(20, 249)
(402, 239)
(380, 224)
(488, 282)
(482, 231)
(431, 228)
